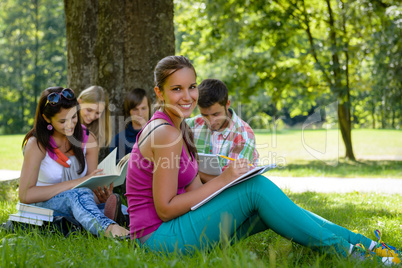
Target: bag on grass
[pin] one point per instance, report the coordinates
(61, 225)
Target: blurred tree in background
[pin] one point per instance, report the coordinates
(285, 58)
(32, 57)
(280, 59)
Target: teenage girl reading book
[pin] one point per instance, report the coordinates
(56, 158)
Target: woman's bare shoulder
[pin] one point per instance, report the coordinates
(162, 132)
(34, 148)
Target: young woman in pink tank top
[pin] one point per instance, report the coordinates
(163, 184)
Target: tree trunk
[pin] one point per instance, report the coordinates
(36, 83)
(342, 91)
(373, 113)
(116, 45)
(346, 130)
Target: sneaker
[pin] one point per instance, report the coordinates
(384, 250)
(113, 209)
(360, 253)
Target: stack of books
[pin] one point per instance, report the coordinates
(31, 214)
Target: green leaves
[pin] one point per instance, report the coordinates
(33, 57)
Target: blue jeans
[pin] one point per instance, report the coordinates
(80, 204)
(248, 208)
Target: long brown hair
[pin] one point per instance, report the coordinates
(165, 68)
(42, 134)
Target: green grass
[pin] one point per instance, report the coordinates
(318, 153)
(10, 152)
(355, 211)
(309, 153)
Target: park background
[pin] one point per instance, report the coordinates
(320, 81)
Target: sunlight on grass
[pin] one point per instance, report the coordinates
(10, 152)
(288, 146)
(297, 153)
(356, 211)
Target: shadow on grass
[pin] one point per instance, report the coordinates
(355, 211)
(343, 213)
(9, 190)
(344, 168)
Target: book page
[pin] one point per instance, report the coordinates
(118, 177)
(95, 181)
(254, 172)
(109, 164)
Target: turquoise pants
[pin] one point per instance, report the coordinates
(248, 208)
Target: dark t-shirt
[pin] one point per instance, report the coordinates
(124, 141)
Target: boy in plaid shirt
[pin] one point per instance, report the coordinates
(218, 130)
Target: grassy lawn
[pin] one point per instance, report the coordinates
(376, 149)
(309, 153)
(10, 152)
(355, 211)
(320, 153)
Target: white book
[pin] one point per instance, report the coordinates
(34, 209)
(34, 216)
(254, 172)
(113, 173)
(209, 164)
(18, 218)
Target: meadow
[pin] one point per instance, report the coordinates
(356, 211)
(378, 152)
(314, 153)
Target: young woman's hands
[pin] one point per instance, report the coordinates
(103, 193)
(236, 169)
(93, 173)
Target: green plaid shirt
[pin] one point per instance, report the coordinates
(237, 140)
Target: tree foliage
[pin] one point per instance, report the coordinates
(261, 47)
(32, 57)
(289, 57)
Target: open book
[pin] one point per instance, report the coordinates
(113, 173)
(254, 172)
(209, 164)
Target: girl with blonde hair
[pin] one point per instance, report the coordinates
(94, 113)
(57, 158)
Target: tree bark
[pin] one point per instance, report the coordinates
(116, 45)
(342, 91)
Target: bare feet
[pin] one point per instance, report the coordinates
(114, 230)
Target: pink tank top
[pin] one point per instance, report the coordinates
(141, 208)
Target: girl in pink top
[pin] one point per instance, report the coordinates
(163, 184)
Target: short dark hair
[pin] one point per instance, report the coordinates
(212, 91)
(133, 98)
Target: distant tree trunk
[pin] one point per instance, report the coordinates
(116, 44)
(334, 78)
(36, 84)
(384, 112)
(342, 91)
(373, 113)
(393, 119)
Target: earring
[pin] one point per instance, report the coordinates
(49, 127)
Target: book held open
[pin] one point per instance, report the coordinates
(113, 173)
(254, 172)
